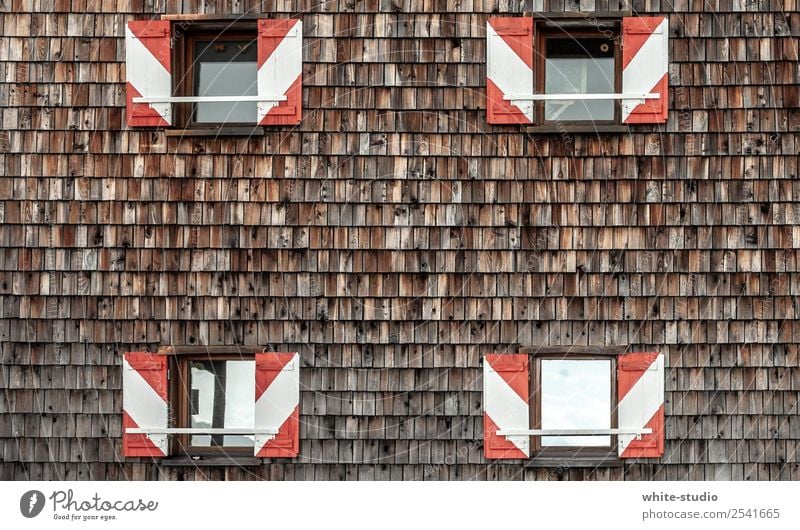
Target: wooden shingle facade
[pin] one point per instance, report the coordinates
(394, 238)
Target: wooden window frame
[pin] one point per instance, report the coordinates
(573, 451)
(179, 398)
(543, 31)
(185, 36)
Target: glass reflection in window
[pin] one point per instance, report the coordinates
(579, 66)
(576, 394)
(222, 394)
(225, 68)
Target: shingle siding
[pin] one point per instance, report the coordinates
(394, 238)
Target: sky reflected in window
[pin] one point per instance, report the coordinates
(226, 68)
(584, 66)
(576, 394)
(223, 394)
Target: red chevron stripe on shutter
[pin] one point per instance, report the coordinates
(148, 67)
(280, 71)
(278, 404)
(640, 391)
(144, 403)
(505, 405)
(645, 63)
(509, 69)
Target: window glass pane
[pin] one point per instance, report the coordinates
(576, 394)
(222, 395)
(582, 66)
(226, 68)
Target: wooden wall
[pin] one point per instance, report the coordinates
(394, 238)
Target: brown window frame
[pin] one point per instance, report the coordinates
(543, 31)
(183, 78)
(180, 395)
(573, 451)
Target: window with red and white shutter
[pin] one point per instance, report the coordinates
(506, 386)
(148, 426)
(645, 63)
(280, 71)
(152, 78)
(640, 395)
(639, 408)
(145, 404)
(148, 67)
(277, 404)
(512, 71)
(509, 69)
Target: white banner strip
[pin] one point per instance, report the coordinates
(370, 505)
(571, 97)
(200, 430)
(206, 99)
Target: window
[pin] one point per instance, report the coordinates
(217, 394)
(569, 393)
(575, 63)
(587, 404)
(202, 402)
(200, 74)
(581, 71)
(222, 67)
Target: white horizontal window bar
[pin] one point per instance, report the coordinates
(572, 432)
(570, 97)
(206, 99)
(198, 430)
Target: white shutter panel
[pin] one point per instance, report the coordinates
(148, 67)
(144, 404)
(645, 63)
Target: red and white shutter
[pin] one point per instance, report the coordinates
(148, 67)
(144, 403)
(509, 69)
(645, 62)
(505, 405)
(640, 390)
(278, 404)
(280, 71)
